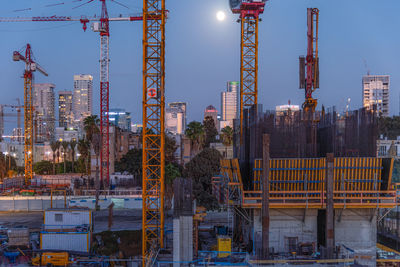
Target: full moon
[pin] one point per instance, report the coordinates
(221, 15)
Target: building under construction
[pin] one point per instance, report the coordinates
(302, 187)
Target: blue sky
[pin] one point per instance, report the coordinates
(202, 53)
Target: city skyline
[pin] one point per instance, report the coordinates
(278, 71)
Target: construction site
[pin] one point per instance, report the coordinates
(304, 186)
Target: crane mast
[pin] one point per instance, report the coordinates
(309, 66)
(104, 94)
(249, 18)
(154, 17)
(30, 67)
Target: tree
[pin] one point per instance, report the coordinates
(195, 133)
(65, 146)
(54, 147)
(210, 131)
(72, 145)
(84, 150)
(93, 136)
(43, 167)
(91, 126)
(389, 126)
(131, 162)
(170, 148)
(201, 169)
(227, 137)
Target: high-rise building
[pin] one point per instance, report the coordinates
(212, 112)
(183, 107)
(44, 111)
(119, 117)
(65, 116)
(229, 101)
(175, 120)
(229, 104)
(375, 90)
(82, 97)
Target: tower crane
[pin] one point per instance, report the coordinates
(154, 18)
(18, 109)
(309, 66)
(249, 11)
(30, 67)
(100, 25)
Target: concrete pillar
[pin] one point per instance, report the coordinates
(265, 198)
(330, 236)
(183, 222)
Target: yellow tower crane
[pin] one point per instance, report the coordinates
(154, 17)
(249, 11)
(30, 67)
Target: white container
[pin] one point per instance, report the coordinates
(66, 218)
(78, 242)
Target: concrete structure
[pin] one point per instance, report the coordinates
(120, 118)
(375, 93)
(175, 120)
(136, 128)
(212, 112)
(229, 102)
(67, 134)
(354, 229)
(82, 97)
(285, 109)
(183, 107)
(44, 111)
(65, 115)
(226, 151)
(42, 151)
(182, 222)
(120, 143)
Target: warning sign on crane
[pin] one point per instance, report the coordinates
(152, 93)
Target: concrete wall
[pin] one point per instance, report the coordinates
(183, 241)
(357, 231)
(286, 223)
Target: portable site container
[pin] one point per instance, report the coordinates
(67, 219)
(71, 241)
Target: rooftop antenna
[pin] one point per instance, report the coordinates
(366, 66)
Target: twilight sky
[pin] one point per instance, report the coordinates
(202, 54)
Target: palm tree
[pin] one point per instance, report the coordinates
(72, 145)
(93, 137)
(227, 137)
(195, 132)
(84, 150)
(54, 146)
(91, 127)
(65, 146)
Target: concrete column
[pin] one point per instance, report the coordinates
(176, 242)
(330, 236)
(265, 198)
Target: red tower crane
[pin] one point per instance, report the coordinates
(100, 25)
(309, 66)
